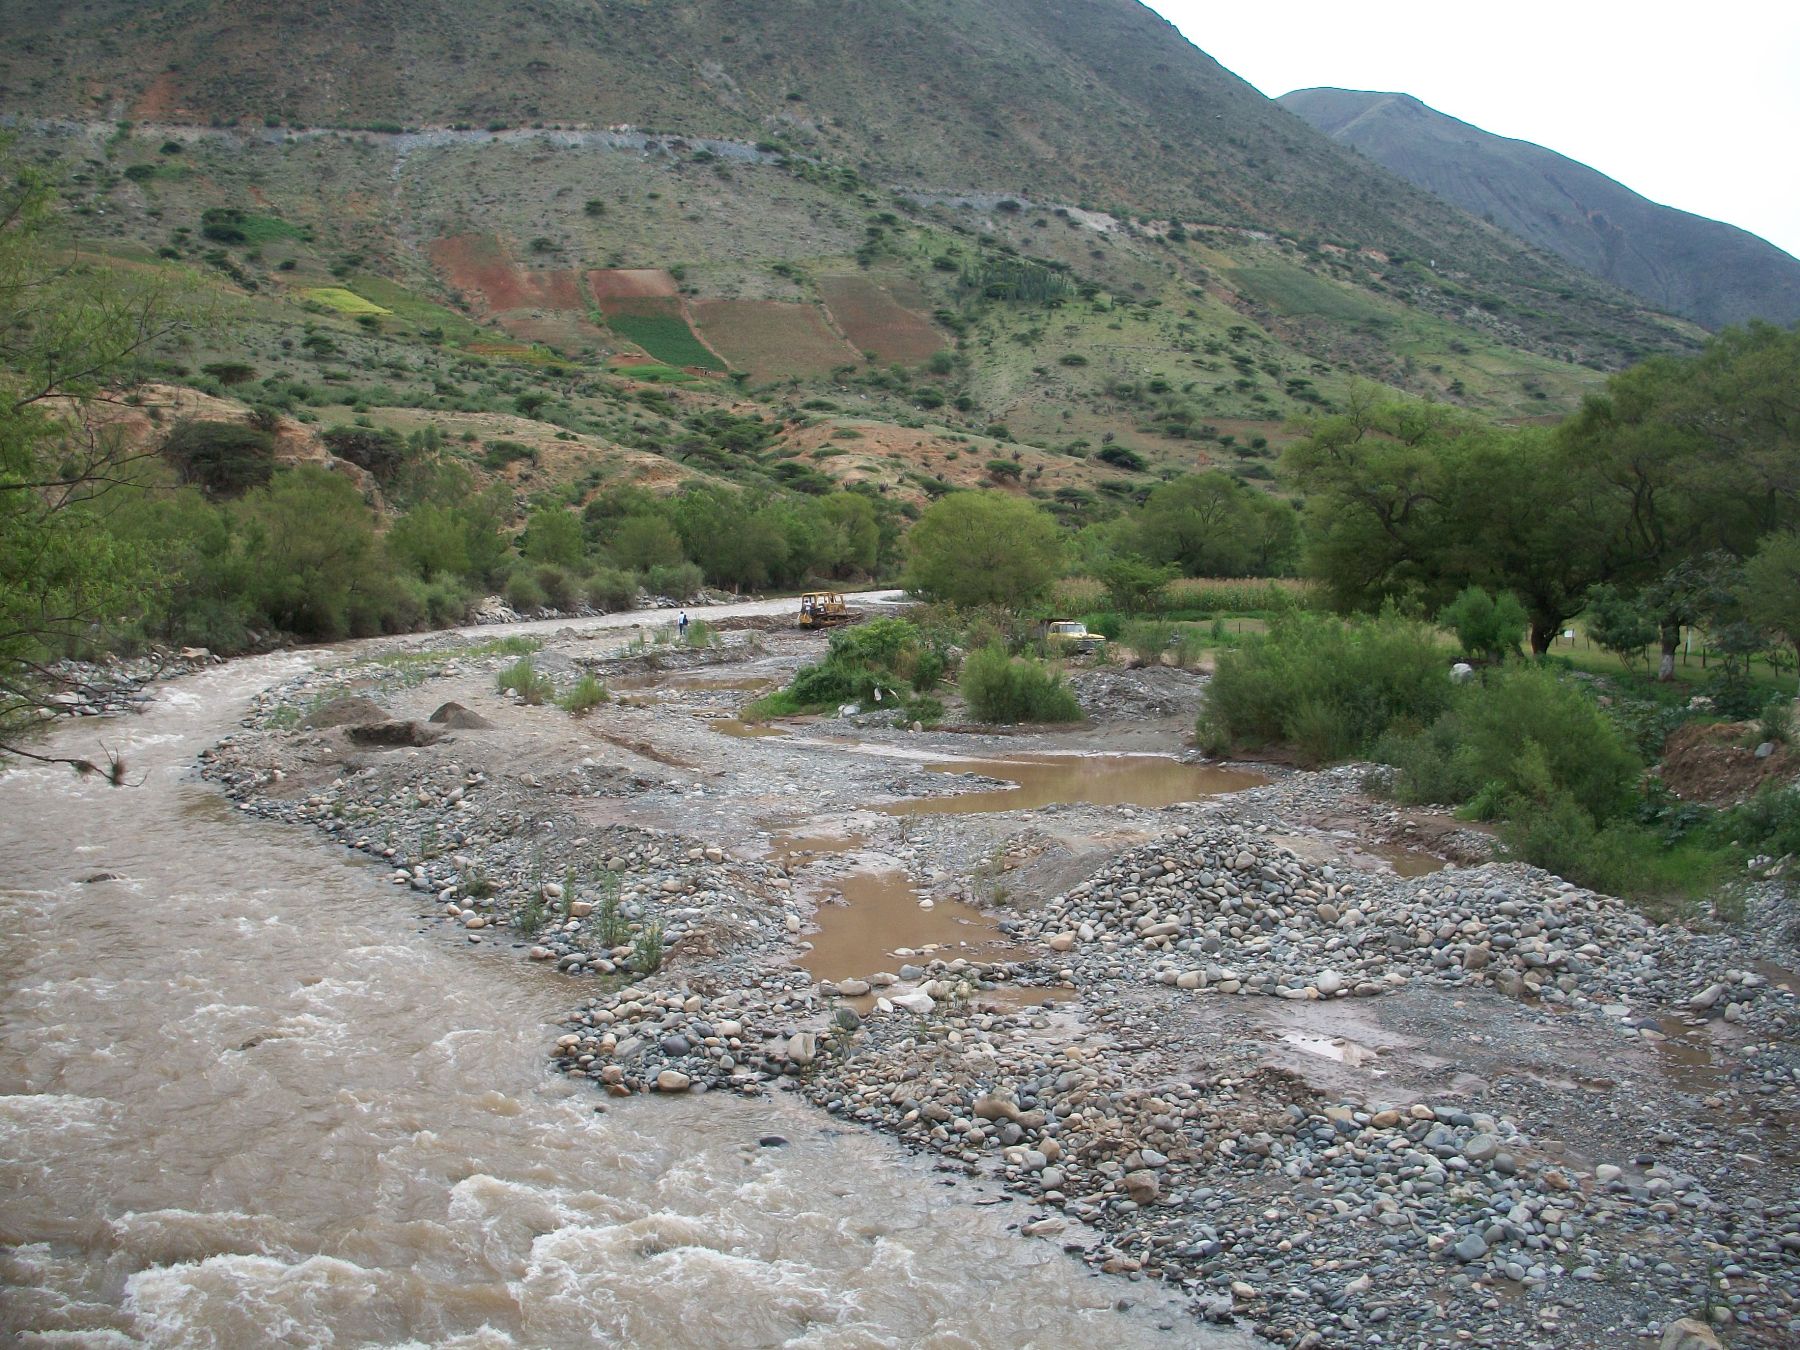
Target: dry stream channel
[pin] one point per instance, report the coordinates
(260, 1091)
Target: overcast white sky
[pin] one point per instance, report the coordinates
(1695, 106)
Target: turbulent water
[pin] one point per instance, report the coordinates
(250, 1099)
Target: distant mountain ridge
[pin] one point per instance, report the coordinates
(1701, 269)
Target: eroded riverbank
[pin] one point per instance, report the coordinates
(1308, 1093)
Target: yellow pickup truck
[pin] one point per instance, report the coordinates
(1071, 636)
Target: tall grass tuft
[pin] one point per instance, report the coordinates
(523, 679)
(585, 695)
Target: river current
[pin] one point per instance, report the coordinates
(248, 1098)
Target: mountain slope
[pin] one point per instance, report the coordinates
(1705, 270)
(1097, 102)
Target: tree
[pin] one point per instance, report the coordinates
(1620, 623)
(71, 332)
(1488, 627)
(983, 548)
(378, 450)
(553, 535)
(1772, 587)
(315, 564)
(225, 458)
(644, 541)
(1212, 525)
(1375, 483)
(1132, 584)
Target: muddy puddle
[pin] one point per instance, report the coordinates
(881, 925)
(1101, 780)
(1408, 862)
(1339, 1049)
(734, 726)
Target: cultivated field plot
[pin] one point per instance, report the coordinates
(658, 325)
(542, 306)
(875, 321)
(613, 284)
(772, 339)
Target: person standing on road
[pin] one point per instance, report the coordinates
(681, 626)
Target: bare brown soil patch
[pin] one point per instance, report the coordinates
(875, 321)
(625, 283)
(542, 306)
(772, 339)
(1716, 763)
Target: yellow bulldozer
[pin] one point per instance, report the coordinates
(824, 609)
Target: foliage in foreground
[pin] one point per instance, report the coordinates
(1326, 687)
(872, 663)
(1003, 688)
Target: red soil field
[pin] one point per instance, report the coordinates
(875, 322)
(772, 339)
(478, 265)
(625, 283)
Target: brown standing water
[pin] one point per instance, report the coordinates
(1107, 780)
(249, 1099)
(880, 913)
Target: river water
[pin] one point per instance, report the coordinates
(249, 1099)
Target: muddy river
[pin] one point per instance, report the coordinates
(251, 1099)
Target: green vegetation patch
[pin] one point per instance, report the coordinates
(666, 337)
(344, 301)
(1288, 290)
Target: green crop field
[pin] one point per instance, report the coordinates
(666, 337)
(344, 301)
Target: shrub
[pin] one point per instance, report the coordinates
(586, 695)
(1328, 687)
(610, 589)
(1003, 688)
(700, 633)
(1620, 858)
(443, 599)
(678, 581)
(523, 594)
(557, 586)
(647, 950)
(1488, 628)
(380, 451)
(1769, 823)
(523, 679)
(1524, 733)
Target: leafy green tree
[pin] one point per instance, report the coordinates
(316, 568)
(1772, 587)
(644, 541)
(225, 458)
(850, 534)
(553, 535)
(983, 548)
(429, 540)
(1375, 478)
(1132, 584)
(1488, 627)
(71, 334)
(737, 542)
(1212, 525)
(1620, 622)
